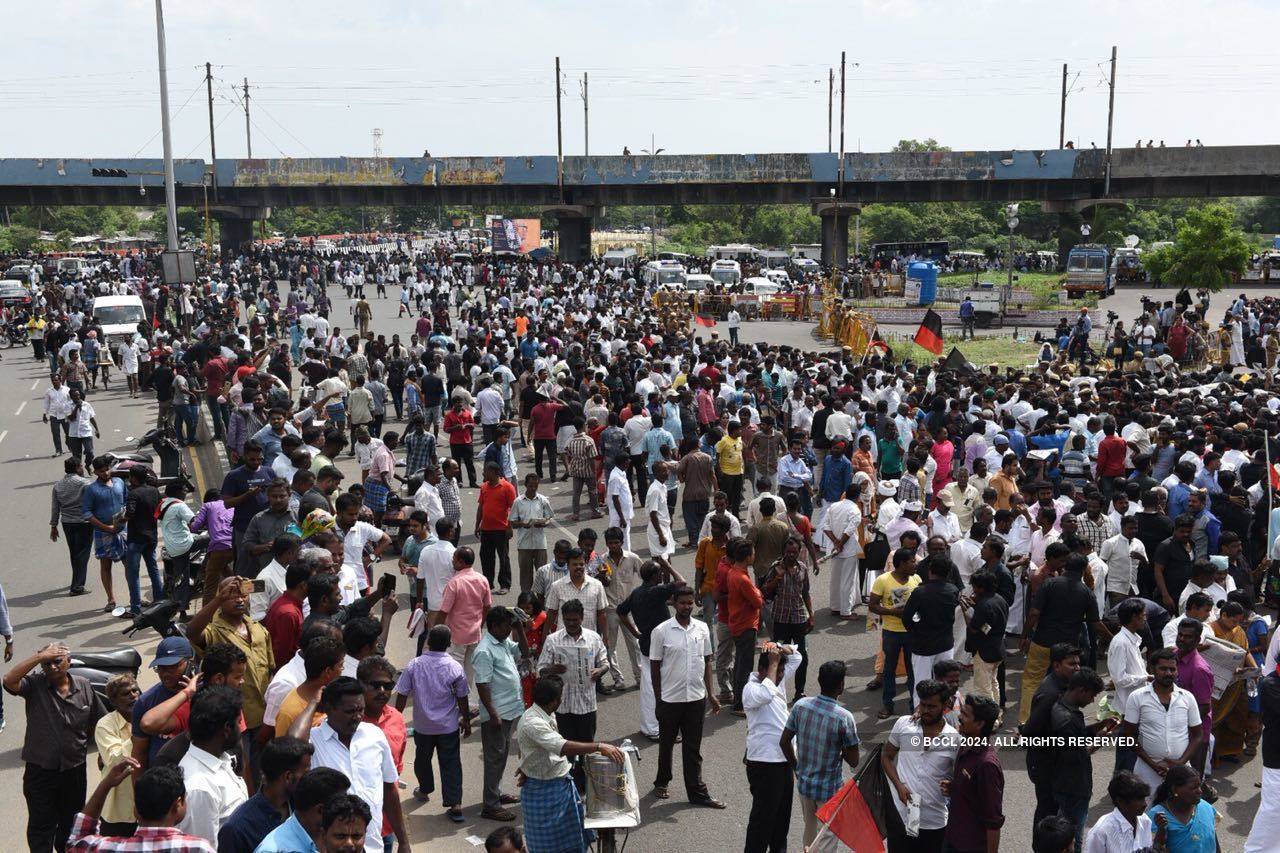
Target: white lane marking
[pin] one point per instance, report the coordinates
(35, 385)
(22, 406)
(3, 434)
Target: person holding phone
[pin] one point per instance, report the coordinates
(244, 490)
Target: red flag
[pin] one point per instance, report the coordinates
(929, 335)
(1275, 475)
(703, 320)
(848, 826)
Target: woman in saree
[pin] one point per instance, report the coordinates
(1231, 709)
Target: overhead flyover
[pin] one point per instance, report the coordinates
(243, 189)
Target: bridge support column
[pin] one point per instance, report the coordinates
(573, 231)
(237, 225)
(835, 231)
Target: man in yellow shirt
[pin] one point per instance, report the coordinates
(1005, 481)
(322, 661)
(729, 460)
(889, 596)
(114, 739)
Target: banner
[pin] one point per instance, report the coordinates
(515, 235)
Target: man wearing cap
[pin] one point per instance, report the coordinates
(172, 662)
(964, 499)
(908, 521)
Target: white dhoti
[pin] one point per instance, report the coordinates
(616, 520)
(1014, 625)
(870, 579)
(922, 668)
(648, 707)
(820, 539)
(1266, 823)
(656, 549)
(842, 580)
(958, 632)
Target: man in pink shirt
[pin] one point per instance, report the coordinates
(463, 607)
(382, 468)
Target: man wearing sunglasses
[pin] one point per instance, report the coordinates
(378, 678)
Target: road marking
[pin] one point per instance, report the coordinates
(3, 434)
(35, 385)
(198, 470)
(22, 406)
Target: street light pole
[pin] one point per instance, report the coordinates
(170, 193)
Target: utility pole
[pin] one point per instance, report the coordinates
(559, 137)
(170, 193)
(1111, 114)
(831, 87)
(213, 146)
(1062, 118)
(586, 120)
(248, 137)
(840, 192)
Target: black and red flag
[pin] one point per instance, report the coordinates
(929, 335)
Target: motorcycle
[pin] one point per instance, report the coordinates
(13, 335)
(173, 466)
(100, 667)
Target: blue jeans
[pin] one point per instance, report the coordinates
(134, 554)
(1075, 809)
(186, 418)
(894, 644)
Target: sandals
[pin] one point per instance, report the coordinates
(660, 792)
(884, 714)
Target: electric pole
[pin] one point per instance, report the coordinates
(213, 146)
(586, 123)
(248, 137)
(840, 193)
(1062, 118)
(1111, 114)
(831, 87)
(170, 193)
(559, 137)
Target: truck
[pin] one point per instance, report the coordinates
(1088, 271)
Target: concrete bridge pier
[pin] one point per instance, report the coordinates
(835, 230)
(237, 225)
(573, 231)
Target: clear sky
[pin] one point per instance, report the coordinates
(468, 77)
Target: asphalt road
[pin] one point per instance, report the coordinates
(36, 576)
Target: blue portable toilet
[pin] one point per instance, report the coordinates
(925, 272)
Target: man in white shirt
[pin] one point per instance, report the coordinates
(914, 773)
(427, 498)
(680, 666)
(840, 530)
(359, 750)
(1125, 828)
(577, 655)
(214, 789)
(943, 522)
(1123, 554)
(284, 550)
(352, 579)
(618, 498)
(764, 698)
(1126, 666)
(661, 541)
(57, 408)
(1164, 719)
(435, 565)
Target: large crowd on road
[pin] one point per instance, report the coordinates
(1089, 550)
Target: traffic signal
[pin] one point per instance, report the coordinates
(110, 173)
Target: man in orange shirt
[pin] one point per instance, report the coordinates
(1005, 481)
(743, 601)
(493, 526)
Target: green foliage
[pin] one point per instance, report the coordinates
(1208, 251)
(18, 238)
(917, 145)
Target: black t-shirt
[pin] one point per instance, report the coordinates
(432, 390)
(1065, 604)
(1269, 691)
(648, 608)
(141, 506)
(1177, 560)
(162, 381)
(929, 616)
(1072, 765)
(986, 628)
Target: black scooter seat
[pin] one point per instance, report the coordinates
(113, 660)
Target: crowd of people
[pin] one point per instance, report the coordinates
(1110, 532)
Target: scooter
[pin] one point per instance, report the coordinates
(173, 468)
(101, 667)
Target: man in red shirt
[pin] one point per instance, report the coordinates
(493, 526)
(543, 420)
(284, 617)
(215, 372)
(1111, 453)
(460, 425)
(744, 600)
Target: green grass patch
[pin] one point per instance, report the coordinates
(981, 351)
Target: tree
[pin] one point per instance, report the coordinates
(1209, 250)
(905, 146)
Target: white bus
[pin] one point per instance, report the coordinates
(726, 272)
(732, 251)
(663, 274)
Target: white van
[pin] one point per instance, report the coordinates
(670, 274)
(760, 286)
(75, 268)
(778, 277)
(805, 266)
(726, 272)
(698, 282)
(624, 257)
(773, 259)
(118, 316)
